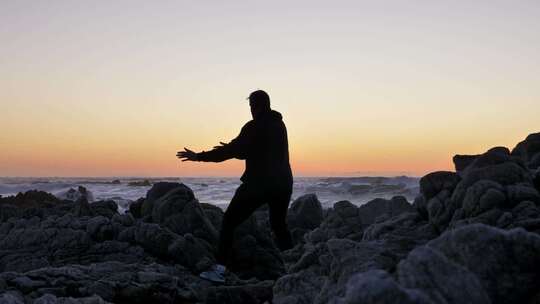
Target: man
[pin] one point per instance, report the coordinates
(267, 179)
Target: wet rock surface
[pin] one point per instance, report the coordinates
(471, 236)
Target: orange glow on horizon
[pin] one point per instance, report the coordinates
(111, 89)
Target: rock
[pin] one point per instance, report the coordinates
(105, 208)
(508, 272)
(342, 221)
(214, 214)
(249, 293)
(350, 257)
(441, 280)
(378, 207)
(174, 206)
(32, 198)
(107, 282)
(378, 287)
(124, 219)
(299, 287)
(461, 162)
(504, 172)
(254, 253)
(407, 229)
(12, 297)
(81, 193)
(528, 148)
(435, 182)
(305, 213)
(135, 208)
(521, 192)
(160, 189)
(306, 277)
(144, 183)
(456, 268)
(536, 180)
(534, 162)
(52, 299)
(483, 196)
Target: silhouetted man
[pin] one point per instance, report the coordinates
(267, 179)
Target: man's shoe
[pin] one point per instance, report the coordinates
(216, 274)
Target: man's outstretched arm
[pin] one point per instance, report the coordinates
(237, 148)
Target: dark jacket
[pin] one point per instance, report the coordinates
(263, 144)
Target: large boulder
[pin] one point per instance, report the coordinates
(254, 253)
(529, 150)
(377, 208)
(174, 206)
(509, 271)
(404, 231)
(378, 287)
(103, 283)
(457, 268)
(429, 272)
(435, 182)
(305, 213)
(342, 221)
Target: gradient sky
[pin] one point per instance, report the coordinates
(115, 88)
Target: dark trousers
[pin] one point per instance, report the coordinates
(245, 201)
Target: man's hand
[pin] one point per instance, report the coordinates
(221, 143)
(186, 155)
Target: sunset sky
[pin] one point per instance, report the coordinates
(116, 88)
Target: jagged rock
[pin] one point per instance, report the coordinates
(369, 212)
(305, 213)
(342, 221)
(508, 271)
(483, 196)
(377, 287)
(105, 208)
(442, 280)
(495, 167)
(135, 208)
(32, 198)
(528, 149)
(435, 182)
(174, 206)
(106, 282)
(461, 162)
(81, 193)
(521, 192)
(457, 268)
(249, 293)
(214, 214)
(322, 272)
(407, 230)
(11, 297)
(350, 257)
(254, 253)
(52, 299)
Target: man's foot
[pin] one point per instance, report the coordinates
(216, 274)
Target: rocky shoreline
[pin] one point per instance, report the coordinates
(471, 236)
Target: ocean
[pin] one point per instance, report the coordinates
(218, 190)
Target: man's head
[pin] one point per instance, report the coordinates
(259, 101)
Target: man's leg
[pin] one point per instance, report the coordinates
(242, 205)
(278, 206)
